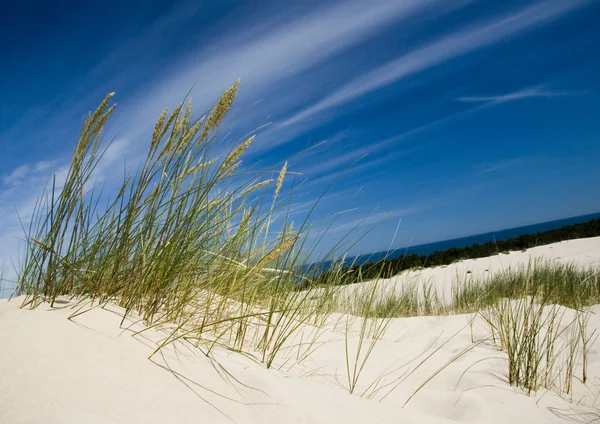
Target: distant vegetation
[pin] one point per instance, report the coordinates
(389, 267)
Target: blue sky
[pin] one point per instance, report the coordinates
(458, 116)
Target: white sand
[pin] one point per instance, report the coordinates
(582, 252)
(89, 370)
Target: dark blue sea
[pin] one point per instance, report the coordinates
(426, 249)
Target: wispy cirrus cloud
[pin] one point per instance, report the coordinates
(509, 163)
(264, 53)
(355, 157)
(376, 217)
(528, 93)
(21, 174)
(498, 166)
(365, 223)
(446, 48)
(352, 170)
(266, 56)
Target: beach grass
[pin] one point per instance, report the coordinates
(538, 314)
(553, 282)
(189, 239)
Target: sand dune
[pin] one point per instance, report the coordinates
(91, 370)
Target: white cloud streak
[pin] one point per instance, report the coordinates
(365, 223)
(510, 163)
(19, 175)
(282, 51)
(351, 157)
(502, 165)
(448, 47)
(519, 95)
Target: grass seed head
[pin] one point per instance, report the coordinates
(156, 135)
(280, 179)
(221, 108)
(237, 153)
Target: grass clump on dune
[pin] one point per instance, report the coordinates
(407, 300)
(552, 282)
(547, 345)
(188, 239)
(537, 314)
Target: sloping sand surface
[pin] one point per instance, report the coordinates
(582, 252)
(91, 370)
